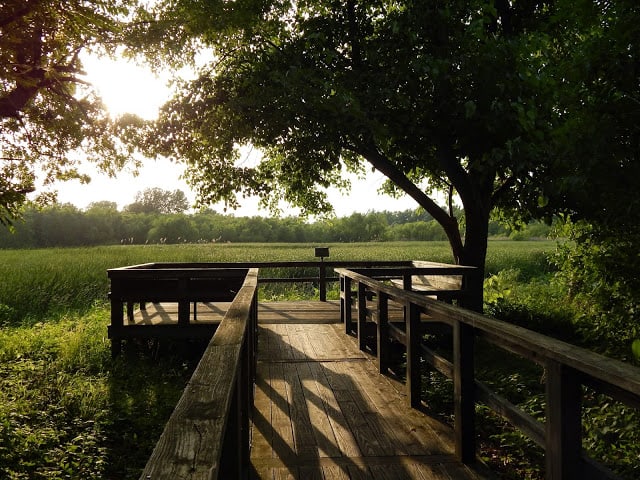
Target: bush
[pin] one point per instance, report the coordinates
(537, 305)
(600, 269)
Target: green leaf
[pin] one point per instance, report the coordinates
(469, 109)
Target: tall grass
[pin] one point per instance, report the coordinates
(46, 283)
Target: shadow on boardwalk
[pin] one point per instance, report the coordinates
(323, 412)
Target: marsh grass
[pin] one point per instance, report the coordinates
(43, 284)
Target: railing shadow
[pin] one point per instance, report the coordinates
(312, 419)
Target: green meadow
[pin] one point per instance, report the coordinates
(68, 410)
(38, 285)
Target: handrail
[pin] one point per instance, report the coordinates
(207, 435)
(567, 368)
(204, 269)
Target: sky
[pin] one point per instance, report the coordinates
(128, 88)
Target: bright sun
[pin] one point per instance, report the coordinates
(126, 87)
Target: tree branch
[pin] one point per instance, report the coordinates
(450, 225)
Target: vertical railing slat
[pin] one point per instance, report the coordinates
(413, 354)
(464, 391)
(382, 312)
(362, 315)
(563, 424)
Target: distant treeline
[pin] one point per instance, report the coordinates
(102, 224)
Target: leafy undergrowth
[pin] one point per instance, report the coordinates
(611, 430)
(67, 410)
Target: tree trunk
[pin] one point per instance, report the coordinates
(474, 253)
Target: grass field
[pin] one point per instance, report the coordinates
(39, 285)
(67, 410)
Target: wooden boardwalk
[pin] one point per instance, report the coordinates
(321, 409)
(323, 412)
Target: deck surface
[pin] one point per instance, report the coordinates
(322, 411)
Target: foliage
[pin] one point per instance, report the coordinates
(597, 141)
(600, 267)
(448, 96)
(102, 224)
(536, 303)
(49, 117)
(68, 411)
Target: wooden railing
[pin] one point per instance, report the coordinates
(567, 369)
(323, 267)
(207, 435)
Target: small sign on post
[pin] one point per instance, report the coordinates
(322, 252)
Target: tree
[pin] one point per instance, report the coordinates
(172, 229)
(601, 135)
(49, 115)
(157, 200)
(435, 95)
(599, 81)
(467, 97)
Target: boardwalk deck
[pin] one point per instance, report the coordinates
(321, 410)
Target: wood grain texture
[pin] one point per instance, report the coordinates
(334, 417)
(192, 443)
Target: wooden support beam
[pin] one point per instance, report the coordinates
(464, 392)
(563, 423)
(413, 355)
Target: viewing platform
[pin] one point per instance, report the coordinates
(311, 389)
(320, 409)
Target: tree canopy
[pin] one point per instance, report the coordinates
(484, 99)
(435, 95)
(50, 118)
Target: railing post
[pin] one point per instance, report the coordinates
(382, 309)
(464, 392)
(413, 354)
(563, 423)
(472, 286)
(183, 303)
(345, 302)
(406, 281)
(130, 311)
(362, 314)
(323, 282)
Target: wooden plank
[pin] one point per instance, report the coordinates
(322, 429)
(392, 472)
(335, 472)
(282, 436)
(345, 440)
(407, 427)
(285, 473)
(303, 440)
(262, 431)
(563, 447)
